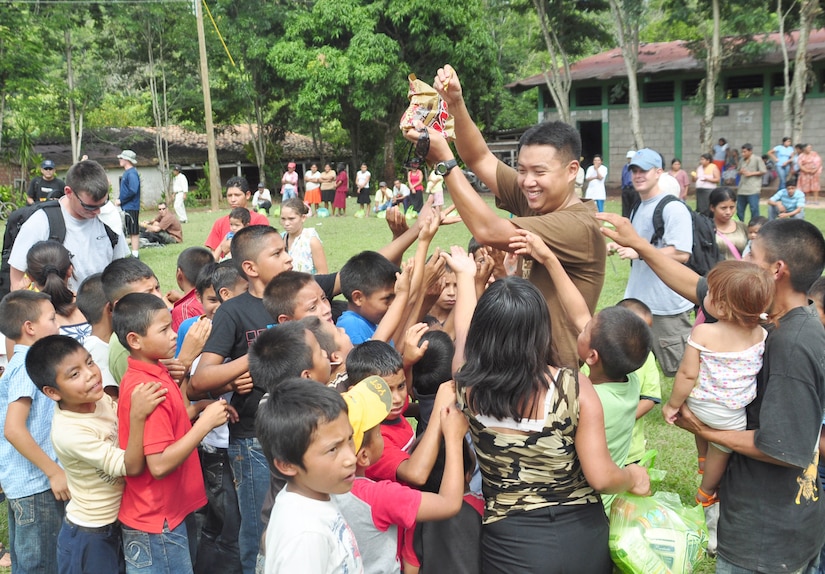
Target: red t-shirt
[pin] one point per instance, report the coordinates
(185, 308)
(398, 440)
(147, 501)
(221, 227)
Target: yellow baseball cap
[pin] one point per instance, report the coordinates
(368, 403)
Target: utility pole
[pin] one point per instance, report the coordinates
(214, 166)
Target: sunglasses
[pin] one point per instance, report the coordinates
(47, 168)
(89, 207)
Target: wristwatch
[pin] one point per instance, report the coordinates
(442, 168)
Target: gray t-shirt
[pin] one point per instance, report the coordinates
(643, 283)
(86, 240)
(752, 184)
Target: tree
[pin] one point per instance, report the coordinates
(793, 101)
(713, 65)
(627, 19)
(561, 24)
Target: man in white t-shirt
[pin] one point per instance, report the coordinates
(87, 190)
(671, 311)
(180, 187)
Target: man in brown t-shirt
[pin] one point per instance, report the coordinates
(541, 193)
(164, 228)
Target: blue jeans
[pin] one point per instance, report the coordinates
(782, 174)
(743, 201)
(81, 549)
(34, 523)
(725, 567)
(164, 553)
(773, 213)
(218, 549)
(251, 482)
(289, 193)
(600, 205)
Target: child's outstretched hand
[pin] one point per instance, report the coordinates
(403, 279)
(445, 396)
(433, 269)
(529, 244)
(412, 351)
(453, 423)
(460, 261)
(429, 225)
(670, 413)
(215, 414)
(145, 397)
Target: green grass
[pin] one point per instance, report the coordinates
(346, 236)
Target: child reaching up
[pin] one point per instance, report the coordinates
(717, 377)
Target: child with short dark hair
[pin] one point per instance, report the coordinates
(259, 254)
(190, 262)
(92, 302)
(84, 431)
(307, 440)
(228, 281)
(754, 225)
(367, 282)
(287, 351)
(433, 368)
(650, 387)
(239, 218)
(293, 295)
(613, 345)
(375, 510)
(396, 463)
(33, 481)
(119, 278)
(335, 342)
(155, 512)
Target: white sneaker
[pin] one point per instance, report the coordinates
(712, 520)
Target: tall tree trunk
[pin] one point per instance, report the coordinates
(809, 11)
(67, 36)
(557, 76)
(161, 146)
(787, 98)
(713, 64)
(627, 35)
(259, 139)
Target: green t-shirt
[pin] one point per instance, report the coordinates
(117, 358)
(619, 402)
(650, 388)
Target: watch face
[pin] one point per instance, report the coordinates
(441, 168)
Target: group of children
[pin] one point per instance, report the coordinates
(196, 440)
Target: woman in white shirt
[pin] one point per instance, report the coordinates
(595, 178)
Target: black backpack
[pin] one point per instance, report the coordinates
(705, 254)
(57, 232)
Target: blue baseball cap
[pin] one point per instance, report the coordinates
(647, 159)
(47, 164)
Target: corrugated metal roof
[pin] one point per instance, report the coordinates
(662, 57)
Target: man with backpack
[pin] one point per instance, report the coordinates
(671, 312)
(93, 245)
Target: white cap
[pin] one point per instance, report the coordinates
(630, 154)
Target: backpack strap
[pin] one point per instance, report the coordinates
(659, 218)
(113, 235)
(57, 225)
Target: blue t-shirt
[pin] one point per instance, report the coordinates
(783, 153)
(790, 202)
(358, 328)
(19, 476)
(130, 190)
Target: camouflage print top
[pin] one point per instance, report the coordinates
(527, 472)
